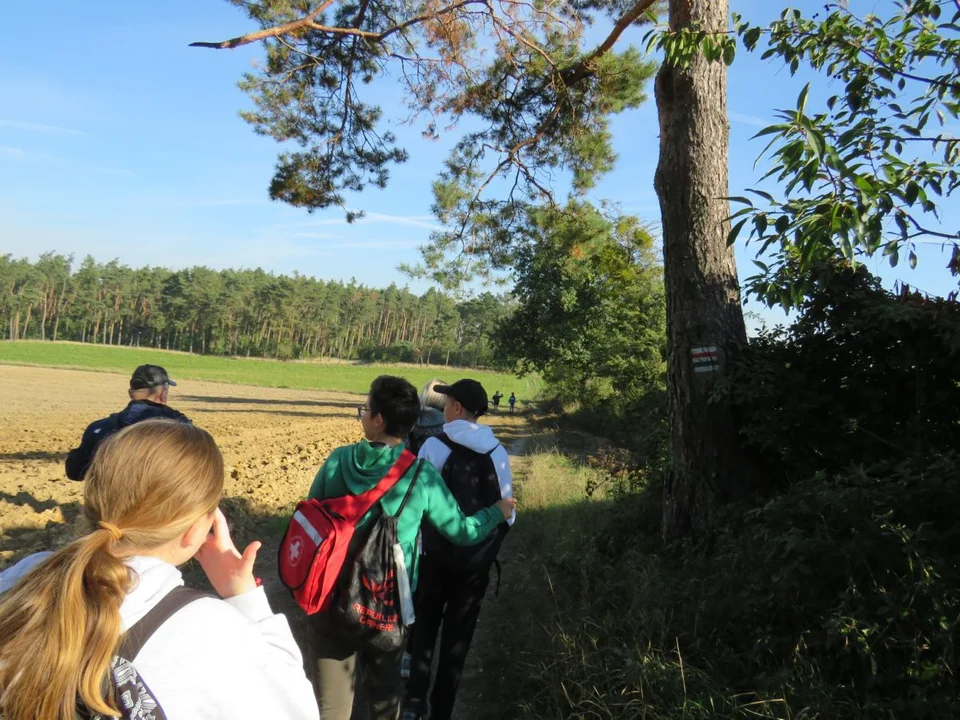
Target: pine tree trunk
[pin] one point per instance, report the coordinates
(43, 319)
(703, 293)
(26, 323)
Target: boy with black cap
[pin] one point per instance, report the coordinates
(149, 387)
(453, 580)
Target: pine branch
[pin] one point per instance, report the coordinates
(275, 31)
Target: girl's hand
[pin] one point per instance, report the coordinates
(229, 572)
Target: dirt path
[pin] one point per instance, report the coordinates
(478, 697)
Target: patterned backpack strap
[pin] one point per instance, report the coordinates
(130, 693)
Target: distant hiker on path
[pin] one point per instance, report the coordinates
(347, 648)
(512, 401)
(149, 388)
(430, 422)
(453, 581)
(497, 397)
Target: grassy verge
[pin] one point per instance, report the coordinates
(246, 371)
(580, 632)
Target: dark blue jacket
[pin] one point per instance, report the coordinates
(78, 459)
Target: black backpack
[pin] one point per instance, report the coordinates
(130, 692)
(367, 605)
(415, 441)
(472, 479)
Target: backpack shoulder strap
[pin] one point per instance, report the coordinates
(445, 439)
(136, 637)
(413, 482)
(365, 501)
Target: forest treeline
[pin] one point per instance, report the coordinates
(243, 312)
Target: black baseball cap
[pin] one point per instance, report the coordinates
(149, 376)
(468, 393)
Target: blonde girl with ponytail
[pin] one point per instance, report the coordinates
(151, 498)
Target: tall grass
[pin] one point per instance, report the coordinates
(579, 630)
(247, 371)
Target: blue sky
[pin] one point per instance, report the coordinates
(118, 140)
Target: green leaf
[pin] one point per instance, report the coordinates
(729, 53)
(911, 192)
(912, 257)
(735, 231)
(765, 195)
(901, 221)
(864, 184)
(802, 99)
(770, 130)
(782, 224)
(760, 223)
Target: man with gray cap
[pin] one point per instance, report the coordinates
(148, 391)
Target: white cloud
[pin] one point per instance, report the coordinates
(421, 221)
(12, 151)
(42, 127)
(749, 119)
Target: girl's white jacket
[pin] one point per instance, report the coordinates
(213, 659)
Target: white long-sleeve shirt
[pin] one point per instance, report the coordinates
(216, 659)
(479, 438)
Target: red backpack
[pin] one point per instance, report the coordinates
(314, 547)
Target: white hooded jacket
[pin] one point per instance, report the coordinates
(213, 659)
(479, 438)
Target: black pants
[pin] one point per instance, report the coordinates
(453, 598)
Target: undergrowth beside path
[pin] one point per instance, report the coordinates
(831, 601)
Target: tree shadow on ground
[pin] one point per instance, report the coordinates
(351, 414)
(33, 455)
(70, 510)
(233, 400)
(18, 541)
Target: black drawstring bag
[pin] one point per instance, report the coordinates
(368, 603)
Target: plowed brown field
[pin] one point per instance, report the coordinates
(272, 440)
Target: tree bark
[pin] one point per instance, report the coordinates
(43, 318)
(703, 292)
(26, 323)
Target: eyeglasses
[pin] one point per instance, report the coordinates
(361, 409)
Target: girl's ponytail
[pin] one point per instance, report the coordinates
(59, 629)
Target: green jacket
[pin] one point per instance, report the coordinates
(355, 469)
